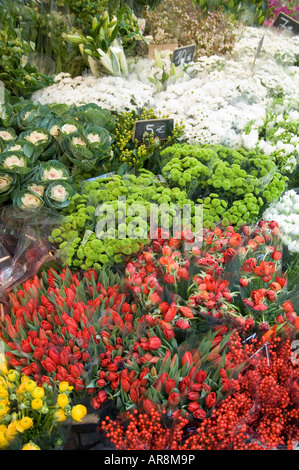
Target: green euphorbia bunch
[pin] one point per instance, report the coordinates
(232, 185)
(111, 219)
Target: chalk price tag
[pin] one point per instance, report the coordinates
(161, 128)
(287, 23)
(183, 54)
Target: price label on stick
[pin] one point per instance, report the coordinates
(161, 128)
(183, 54)
(287, 23)
(258, 52)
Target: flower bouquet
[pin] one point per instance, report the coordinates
(34, 417)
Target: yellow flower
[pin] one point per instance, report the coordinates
(3, 440)
(3, 409)
(30, 446)
(78, 412)
(3, 368)
(3, 365)
(13, 375)
(36, 404)
(30, 385)
(60, 415)
(11, 430)
(21, 388)
(24, 424)
(25, 378)
(3, 393)
(62, 400)
(65, 386)
(38, 392)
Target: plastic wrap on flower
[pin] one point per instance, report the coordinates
(66, 305)
(24, 244)
(258, 277)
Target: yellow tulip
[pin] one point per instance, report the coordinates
(30, 446)
(78, 412)
(62, 400)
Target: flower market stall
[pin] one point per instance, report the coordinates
(149, 230)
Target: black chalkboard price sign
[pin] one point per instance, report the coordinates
(287, 23)
(183, 54)
(161, 128)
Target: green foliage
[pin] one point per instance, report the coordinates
(16, 72)
(101, 229)
(252, 12)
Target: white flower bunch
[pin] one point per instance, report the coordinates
(216, 97)
(286, 213)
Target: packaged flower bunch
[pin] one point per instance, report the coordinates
(24, 245)
(88, 331)
(234, 186)
(50, 327)
(258, 412)
(110, 219)
(263, 285)
(261, 412)
(34, 417)
(277, 136)
(219, 281)
(184, 286)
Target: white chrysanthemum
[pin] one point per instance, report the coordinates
(36, 137)
(59, 193)
(30, 201)
(5, 135)
(5, 181)
(53, 174)
(68, 128)
(14, 160)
